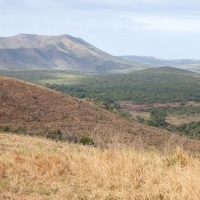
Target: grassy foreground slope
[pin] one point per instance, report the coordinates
(39, 169)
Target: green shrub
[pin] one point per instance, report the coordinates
(140, 119)
(86, 141)
(5, 128)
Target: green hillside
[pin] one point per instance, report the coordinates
(158, 85)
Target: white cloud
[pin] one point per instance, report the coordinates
(135, 3)
(169, 24)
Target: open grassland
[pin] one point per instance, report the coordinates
(171, 119)
(46, 77)
(34, 168)
(135, 114)
(182, 119)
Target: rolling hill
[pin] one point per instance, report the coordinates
(36, 110)
(64, 52)
(188, 64)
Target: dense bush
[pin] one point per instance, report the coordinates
(147, 86)
(5, 128)
(86, 141)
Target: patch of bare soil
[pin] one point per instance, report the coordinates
(136, 107)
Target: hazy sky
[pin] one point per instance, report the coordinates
(161, 28)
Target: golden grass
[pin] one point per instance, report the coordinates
(180, 119)
(33, 168)
(62, 78)
(145, 115)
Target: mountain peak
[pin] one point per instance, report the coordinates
(62, 52)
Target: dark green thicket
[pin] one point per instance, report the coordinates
(86, 141)
(192, 129)
(157, 119)
(4, 128)
(189, 110)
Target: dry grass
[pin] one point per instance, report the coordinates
(179, 119)
(145, 115)
(33, 168)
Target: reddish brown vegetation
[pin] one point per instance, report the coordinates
(39, 109)
(135, 107)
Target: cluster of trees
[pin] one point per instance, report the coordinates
(191, 129)
(158, 119)
(188, 110)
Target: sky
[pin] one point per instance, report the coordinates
(168, 29)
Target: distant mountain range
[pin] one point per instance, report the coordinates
(188, 64)
(64, 52)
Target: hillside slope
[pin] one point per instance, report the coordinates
(36, 110)
(26, 51)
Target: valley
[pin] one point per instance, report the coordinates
(38, 111)
(170, 92)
